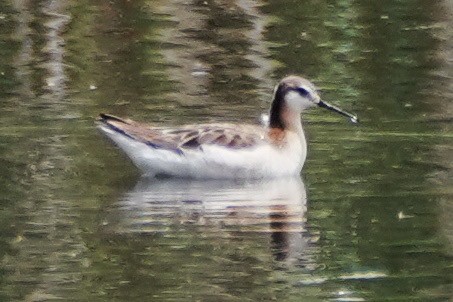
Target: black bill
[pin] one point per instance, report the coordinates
(326, 105)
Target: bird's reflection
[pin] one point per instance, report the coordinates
(222, 208)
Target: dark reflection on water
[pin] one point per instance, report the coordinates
(76, 225)
(213, 239)
(217, 208)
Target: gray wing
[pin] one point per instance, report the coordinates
(187, 137)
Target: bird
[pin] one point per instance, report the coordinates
(224, 150)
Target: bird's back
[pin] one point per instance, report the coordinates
(203, 151)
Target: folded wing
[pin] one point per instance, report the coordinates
(188, 137)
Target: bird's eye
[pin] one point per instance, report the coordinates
(302, 91)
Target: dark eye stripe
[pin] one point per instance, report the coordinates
(302, 91)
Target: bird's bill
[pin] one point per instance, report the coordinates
(333, 108)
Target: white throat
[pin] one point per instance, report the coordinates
(296, 102)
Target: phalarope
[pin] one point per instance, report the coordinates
(224, 150)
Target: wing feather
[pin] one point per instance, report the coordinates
(188, 137)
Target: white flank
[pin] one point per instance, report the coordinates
(216, 162)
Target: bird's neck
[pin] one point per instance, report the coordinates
(275, 115)
(284, 129)
(283, 118)
(291, 120)
(290, 136)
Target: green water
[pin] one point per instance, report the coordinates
(371, 218)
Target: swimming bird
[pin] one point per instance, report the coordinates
(224, 151)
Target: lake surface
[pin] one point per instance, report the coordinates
(370, 218)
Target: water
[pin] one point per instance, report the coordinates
(369, 220)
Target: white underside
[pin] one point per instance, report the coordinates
(215, 162)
